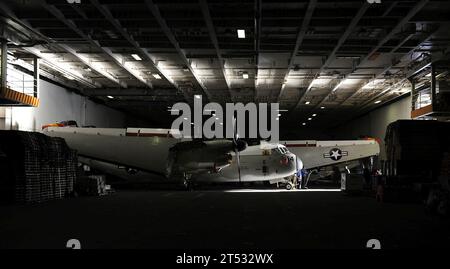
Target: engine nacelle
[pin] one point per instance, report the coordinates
(200, 156)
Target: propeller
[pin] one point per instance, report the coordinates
(239, 145)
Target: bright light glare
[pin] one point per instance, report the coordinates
(136, 57)
(241, 33)
(157, 76)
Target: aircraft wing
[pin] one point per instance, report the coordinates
(324, 153)
(144, 149)
(150, 150)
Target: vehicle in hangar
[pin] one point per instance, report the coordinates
(157, 151)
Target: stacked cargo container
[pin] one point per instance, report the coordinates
(35, 167)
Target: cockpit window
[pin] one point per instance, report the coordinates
(282, 150)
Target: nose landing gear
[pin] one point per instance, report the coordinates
(187, 182)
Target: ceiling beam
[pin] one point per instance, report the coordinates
(380, 74)
(117, 60)
(388, 37)
(26, 25)
(301, 35)
(117, 25)
(408, 73)
(129, 92)
(61, 68)
(85, 60)
(350, 28)
(366, 106)
(214, 40)
(166, 29)
(397, 28)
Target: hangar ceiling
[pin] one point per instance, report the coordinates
(315, 57)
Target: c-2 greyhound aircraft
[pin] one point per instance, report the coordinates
(220, 160)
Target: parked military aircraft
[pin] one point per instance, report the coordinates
(157, 151)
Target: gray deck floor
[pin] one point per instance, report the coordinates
(219, 219)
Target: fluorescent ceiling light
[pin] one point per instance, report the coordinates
(157, 76)
(110, 97)
(136, 57)
(307, 102)
(245, 75)
(304, 123)
(322, 107)
(309, 118)
(241, 33)
(314, 115)
(377, 102)
(184, 118)
(282, 110)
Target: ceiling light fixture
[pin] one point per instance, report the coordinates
(322, 107)
(309, 118)
(241, 33)
(157, 76)
(110, 97)
(245, 75)
(136, 57)
(314, 115)
(307, 102)
(377, 102)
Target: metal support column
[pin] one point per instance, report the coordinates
(36, 63)
(4, 61)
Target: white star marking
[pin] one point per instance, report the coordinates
(335, 155)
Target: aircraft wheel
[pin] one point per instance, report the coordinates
(187, 183)
(289, 186)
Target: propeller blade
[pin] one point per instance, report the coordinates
(238, 160)
(235, 132)
(238, 146)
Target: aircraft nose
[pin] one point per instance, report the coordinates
(292, 159)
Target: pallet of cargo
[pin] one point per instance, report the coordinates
(40, 168)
